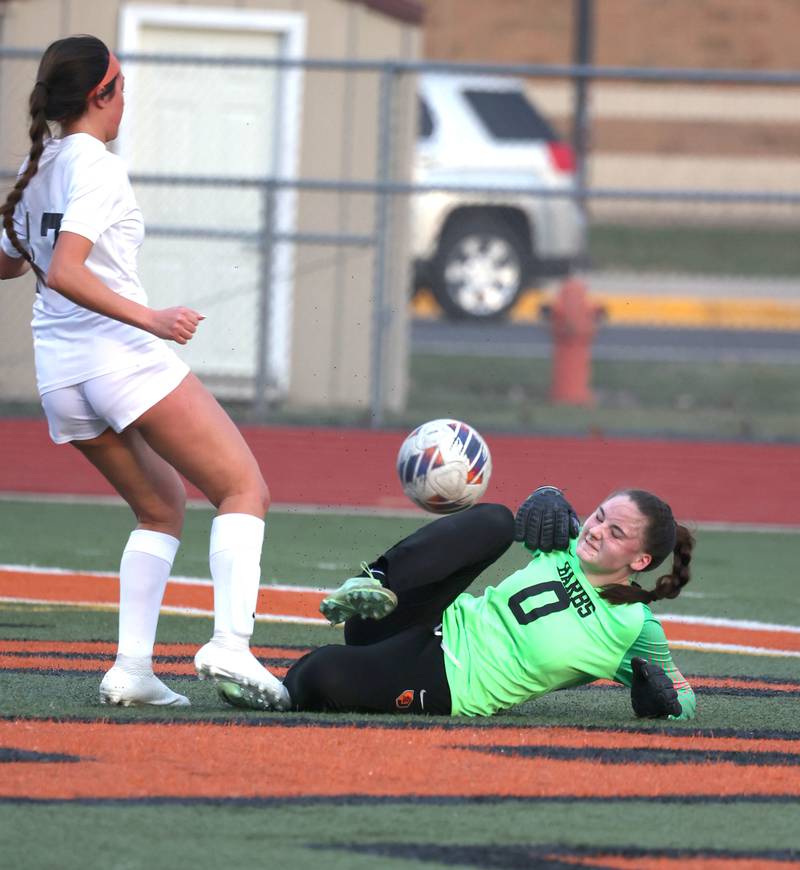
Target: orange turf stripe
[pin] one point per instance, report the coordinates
(82, 587)
(59, 587)
(787, 640)
(423, 762)
(162, 649)
(77, 646)
(58, 664)
(55, 664)
(724, 683)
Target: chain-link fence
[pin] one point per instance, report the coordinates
(273, 188)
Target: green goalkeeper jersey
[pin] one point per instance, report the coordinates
(545, 627)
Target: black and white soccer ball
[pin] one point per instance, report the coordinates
(444, 466)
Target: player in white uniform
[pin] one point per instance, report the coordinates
(113, 389)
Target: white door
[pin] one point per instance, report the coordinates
(222, 121)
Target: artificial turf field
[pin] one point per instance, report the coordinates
(572, 779)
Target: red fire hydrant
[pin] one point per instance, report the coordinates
(573, 323)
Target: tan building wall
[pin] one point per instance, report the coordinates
(710, 34)
(333, 288)
(654, 135)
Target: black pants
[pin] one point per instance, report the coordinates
(396, 664)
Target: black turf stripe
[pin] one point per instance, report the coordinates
(644, 755)
(11, 755)
(543, 855)
(402, 800)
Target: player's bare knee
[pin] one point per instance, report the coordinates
(264, 494)
(165, 514)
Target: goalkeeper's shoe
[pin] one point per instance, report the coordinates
(363, 596)
(138, 687)
(233, 662)
(239, 695)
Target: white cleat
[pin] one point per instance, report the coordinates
(238, 695)
(126, 689)
(221, 663)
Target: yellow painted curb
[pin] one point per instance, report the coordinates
(690, 312)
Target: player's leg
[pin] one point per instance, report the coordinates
(190, 430)
(156, 495)
(402, 674)
(430, 568)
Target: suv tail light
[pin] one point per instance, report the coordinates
(562, 156)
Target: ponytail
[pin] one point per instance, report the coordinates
(38, 131)
(68, 71)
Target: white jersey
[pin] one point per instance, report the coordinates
(82, 188)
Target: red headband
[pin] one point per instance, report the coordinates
(111, 73)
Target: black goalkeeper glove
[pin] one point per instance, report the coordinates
(546, 521)
(652, 692)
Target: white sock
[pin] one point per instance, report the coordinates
(235, 561)
(143, 573)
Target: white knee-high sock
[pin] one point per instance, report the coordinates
(235, 561)
(143, 573)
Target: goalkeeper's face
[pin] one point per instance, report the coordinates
(611, 542)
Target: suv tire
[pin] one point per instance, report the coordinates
(480, 268)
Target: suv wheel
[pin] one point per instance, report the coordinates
(480, 268)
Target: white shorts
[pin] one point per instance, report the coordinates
(82, 411)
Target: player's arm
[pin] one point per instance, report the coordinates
(12, 267)
(546, 521)
(658, 688)
(69, 275)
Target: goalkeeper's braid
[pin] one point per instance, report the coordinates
(662, 536)
(68, 71)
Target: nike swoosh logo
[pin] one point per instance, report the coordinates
(422, 698)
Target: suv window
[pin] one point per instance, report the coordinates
(424, 120)
(507, 115)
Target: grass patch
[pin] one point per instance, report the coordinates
(724, 400)
(342, 836)
(756, 252)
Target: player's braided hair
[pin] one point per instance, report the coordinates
(68, 71)
(662, 536)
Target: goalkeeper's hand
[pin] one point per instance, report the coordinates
(546, 521)
(652, 693)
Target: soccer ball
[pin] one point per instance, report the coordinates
(444, 466)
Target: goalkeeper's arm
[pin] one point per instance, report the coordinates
(650, 694)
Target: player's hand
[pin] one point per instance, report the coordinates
(652, 692)
(546, 521)
(176, 324)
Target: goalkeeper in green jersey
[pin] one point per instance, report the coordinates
(417, 642)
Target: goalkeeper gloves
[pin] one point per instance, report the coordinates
(546, 521)
(652, 693)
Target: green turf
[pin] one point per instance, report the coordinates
(749, 251)
(737, 575)
(711, 400)
(288, 836)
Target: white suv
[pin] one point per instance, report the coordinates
(478, 251)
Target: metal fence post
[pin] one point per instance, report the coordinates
(382, 230)
(584, 39)
(265, 274)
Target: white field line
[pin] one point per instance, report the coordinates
(185, 581)
(747, 624)
(728, 623)
(699, 646)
